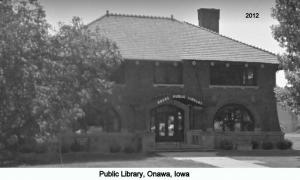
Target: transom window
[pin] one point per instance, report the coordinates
(168, 73)
(233, 118)
(233, 75)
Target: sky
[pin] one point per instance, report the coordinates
(254, 31)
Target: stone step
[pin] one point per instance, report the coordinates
(184, 150)
(179, 147)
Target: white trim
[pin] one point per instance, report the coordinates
(239, 87)
(168, 85)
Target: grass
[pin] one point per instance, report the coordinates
(24, 159)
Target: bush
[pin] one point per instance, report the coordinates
(27, 148)
(65, 148)
(129, 149)
(267, 145)
(226, 145)
(41, 148)
(114, 148)
(76, 147)
(255, 145)
(284, 144)
(137, 141)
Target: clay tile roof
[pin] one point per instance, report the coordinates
(167, 39)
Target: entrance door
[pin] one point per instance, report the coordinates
(168, 123)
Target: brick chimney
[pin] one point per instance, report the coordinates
(209, 18)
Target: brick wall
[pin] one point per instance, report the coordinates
(131, 99)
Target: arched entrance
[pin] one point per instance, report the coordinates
(167, 122)
(233, 117)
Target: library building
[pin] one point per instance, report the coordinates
(187, 87)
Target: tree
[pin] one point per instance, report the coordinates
(23, 35)
(46, 80)
(287, 33)
(79, 69)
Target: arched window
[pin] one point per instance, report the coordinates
(233, 117)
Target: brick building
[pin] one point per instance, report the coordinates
(187, 86)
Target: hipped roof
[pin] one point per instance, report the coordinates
(168, 39)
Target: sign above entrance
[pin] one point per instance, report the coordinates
(188, 100)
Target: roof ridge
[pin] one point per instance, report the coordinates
(132, 15)
(139, 16)
(252, 46)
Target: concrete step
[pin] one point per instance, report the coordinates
(179, 147)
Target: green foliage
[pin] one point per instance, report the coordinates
(284, 144)
(115, 148)
(226, 144)
(76, 147)
(129, 148)
(255, 145)
(46, 80)
(22, 47)
(78, 72)
(267, 145)
(287, 33)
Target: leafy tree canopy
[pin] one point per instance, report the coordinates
(78, 71)
(287, 33)
(23, 36)
(46, 80)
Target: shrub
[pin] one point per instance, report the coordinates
(114, 148)
(226, 145)
(267, 145)
(284, 144)
(76, 147)
(2, 146)
(40, 148)
(65, 148)
(137, 141)
(129, 149)
(255, 145)
(27, 148)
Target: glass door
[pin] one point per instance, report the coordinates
(168, 123)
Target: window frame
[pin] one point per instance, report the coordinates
(169, 67)
(230, 124)
(241, 73)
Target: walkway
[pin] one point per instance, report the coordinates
(223, 162)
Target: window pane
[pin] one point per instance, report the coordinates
(160, 74)
(233, 118)
(250, 77)
(175, 74)
(234, 75)
(168, 73)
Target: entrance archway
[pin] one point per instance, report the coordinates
(167, 122)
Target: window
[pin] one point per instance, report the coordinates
(234, 75)
(168, 73)
(233, 118)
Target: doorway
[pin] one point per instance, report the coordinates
(167, 122)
